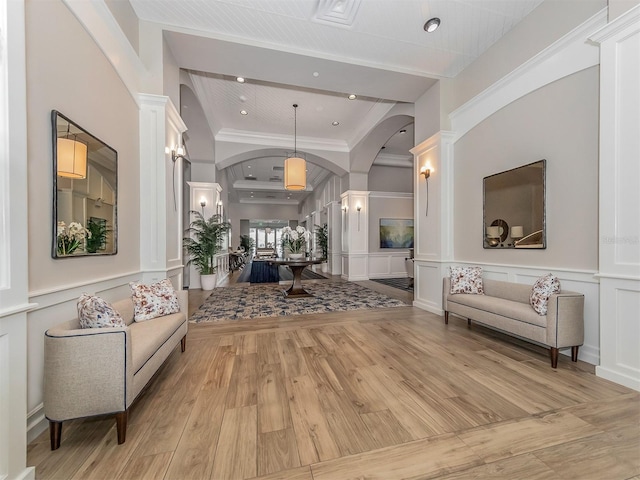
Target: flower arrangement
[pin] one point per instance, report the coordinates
(295, 241)
(70, 238)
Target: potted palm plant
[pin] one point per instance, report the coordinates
(203, 244)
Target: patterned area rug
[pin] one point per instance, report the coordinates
(266, 300)
(401, 283)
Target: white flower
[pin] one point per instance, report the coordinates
(294, 236)
(300, 229)
(61, 228)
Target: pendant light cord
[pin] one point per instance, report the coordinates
(295, 129)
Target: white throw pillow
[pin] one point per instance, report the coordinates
(466, 280)
(542, 290)
(95, 312)
(151, 301)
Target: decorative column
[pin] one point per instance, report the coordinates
(355, 235)
(433, 211)
(334, 222)
(161, 131)
(14, 239)
(619, 212)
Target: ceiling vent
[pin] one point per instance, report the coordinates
(270, 196)
(250, 178)
(337, 12)
(275, 179)
(278, 168)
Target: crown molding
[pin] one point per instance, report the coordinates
(231, 135)
(272, 201)
(390, 160)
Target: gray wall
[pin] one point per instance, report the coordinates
(558, 122)
(390, 179)
(386, 207)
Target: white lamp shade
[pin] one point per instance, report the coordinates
(71, 158)
(295, 173)
(517, 231)
(493, 232)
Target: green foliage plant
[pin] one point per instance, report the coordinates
(322, 237)
(205, 241)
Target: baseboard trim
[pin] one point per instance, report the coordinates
(36, 423)
(618, 377)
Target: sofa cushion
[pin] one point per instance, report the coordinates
(147, 337)
(506, 308)
(542, 290)
(155, 300)
(95, 312)
(466, 280)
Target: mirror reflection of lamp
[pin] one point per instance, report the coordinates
(517, 232)
(71, 156)
(493, 236)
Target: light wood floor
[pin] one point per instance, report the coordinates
(376, 394)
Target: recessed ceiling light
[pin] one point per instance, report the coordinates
(250, 175)
(352, 96)
(432, 25)
(244, 112)
(248, 166)
(240, 79)
(316, 74)
(402, 131)
(335, 124)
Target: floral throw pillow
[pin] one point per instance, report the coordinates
(95, 312)
(151, 301)
(542, 290)
(466, 280)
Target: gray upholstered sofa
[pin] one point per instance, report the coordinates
(505, 307)
(97, 371)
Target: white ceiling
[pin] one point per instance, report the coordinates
(314, 53)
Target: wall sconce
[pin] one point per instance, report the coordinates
(219, 208)
(427, 173)
(177, 153)
(203, 203)
(358, 208)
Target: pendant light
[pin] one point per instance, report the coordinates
(71, 156)
(295, 167)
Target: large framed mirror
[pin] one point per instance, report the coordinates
(514, 208)
(85, 192)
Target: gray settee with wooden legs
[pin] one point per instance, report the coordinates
(98, 371)
(505, 307)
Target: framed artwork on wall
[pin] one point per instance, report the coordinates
(396, 233)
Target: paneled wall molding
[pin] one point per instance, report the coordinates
(355, 267)
(15, 309)
(570, 54)
(433, 198)
(390, 195)
(428, 291)
(14, 240)
(387, 265)
(100, 24)
(54, 296)
(619, 246)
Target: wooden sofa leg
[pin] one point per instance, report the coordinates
(183, 343)
(554, 357)
(55, 434)
(446, 317)
(574, 353)
(121, 426)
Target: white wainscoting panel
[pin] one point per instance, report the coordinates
(620, 329)
(356, 267)
(388, 265)
(427, 289)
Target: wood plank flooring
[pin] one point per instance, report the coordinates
(377, 394)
